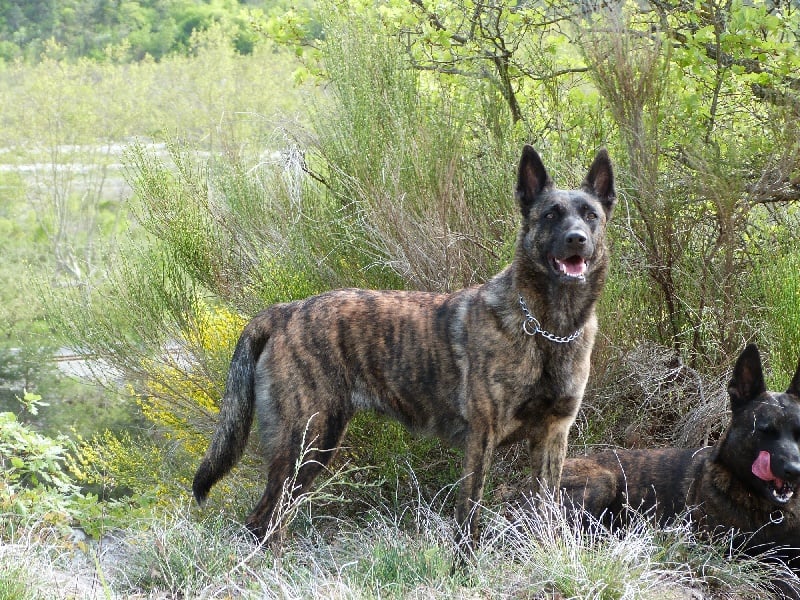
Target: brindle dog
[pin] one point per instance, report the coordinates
(487, 365)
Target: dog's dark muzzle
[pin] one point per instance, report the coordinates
(572, 256)
(779, 477)
(576, 239)
(789, 476)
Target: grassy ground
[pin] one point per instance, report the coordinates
(401, 551)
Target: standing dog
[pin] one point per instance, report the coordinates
(746, 482)
(487, 365)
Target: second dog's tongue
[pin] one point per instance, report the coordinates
(761, 468)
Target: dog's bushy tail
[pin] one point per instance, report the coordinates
(236, 413)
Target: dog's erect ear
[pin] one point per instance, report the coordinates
(747, 382)
(600, 181)
(531, 180)
(794, 387)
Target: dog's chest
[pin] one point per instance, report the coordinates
(540, 395)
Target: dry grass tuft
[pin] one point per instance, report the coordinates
(648, 397)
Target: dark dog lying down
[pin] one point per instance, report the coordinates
(747, 482)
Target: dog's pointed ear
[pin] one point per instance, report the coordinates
(794, 386)
(600, 181)
(747, 382)
(532, 179)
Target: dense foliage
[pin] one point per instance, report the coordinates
(154, 28)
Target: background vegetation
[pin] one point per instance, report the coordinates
(169, 167)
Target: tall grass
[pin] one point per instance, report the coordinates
(777, 283)
(37, 563)
(522, 555)
(429, 200)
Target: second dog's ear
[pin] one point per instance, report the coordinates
(600, 181)
(747, 382)
(532, 179)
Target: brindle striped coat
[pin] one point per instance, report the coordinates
(469, 367)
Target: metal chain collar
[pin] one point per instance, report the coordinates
(531, 326)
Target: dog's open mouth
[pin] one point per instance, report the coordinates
(782, 491)
(574, 267)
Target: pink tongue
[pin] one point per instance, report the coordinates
(574, 265)
(762, 471)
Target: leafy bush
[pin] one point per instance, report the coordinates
(697, 166)
(424, 185)
(46, 480)
(35, 484)
(173, 393)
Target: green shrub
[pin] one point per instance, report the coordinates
(35, 485)
(46, 481)
(424, 187)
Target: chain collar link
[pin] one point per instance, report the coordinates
(531, 326)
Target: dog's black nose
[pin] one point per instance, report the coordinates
(791, 470)
(576, 238)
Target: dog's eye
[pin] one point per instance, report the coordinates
(768, 430)
(550, 215)
(591, 215)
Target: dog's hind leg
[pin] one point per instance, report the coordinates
(261, 521)
(294, 460)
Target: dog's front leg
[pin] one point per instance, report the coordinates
(548, 449)
(477, 460)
